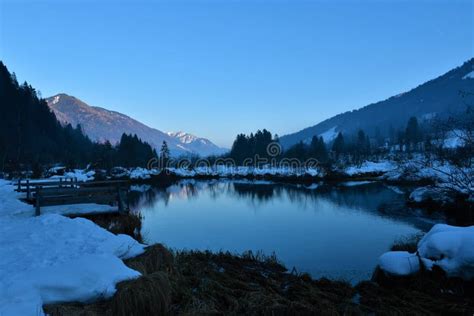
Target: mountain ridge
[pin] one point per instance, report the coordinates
(101, 124)
(437, 97)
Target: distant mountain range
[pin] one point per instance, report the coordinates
(101, 124)
(436, 98)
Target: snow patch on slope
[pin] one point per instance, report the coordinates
(329, 135)
(469, 75)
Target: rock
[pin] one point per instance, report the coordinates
(399, 263)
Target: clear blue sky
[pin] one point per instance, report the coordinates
(217, 68)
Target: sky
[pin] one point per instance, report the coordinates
(219, 68)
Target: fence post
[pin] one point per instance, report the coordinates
(38, 198)
(28, 189)
(60, 183)
(19, 184)
(127, 196)
(119, 200)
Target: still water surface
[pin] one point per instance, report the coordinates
(333, 231)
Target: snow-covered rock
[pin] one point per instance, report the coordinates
(450, 248)
(440, 194)
(399, 263)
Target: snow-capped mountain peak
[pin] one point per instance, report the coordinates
(187, 138)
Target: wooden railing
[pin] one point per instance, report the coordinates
(63, 192)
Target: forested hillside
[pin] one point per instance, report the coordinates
(441, 97)
(31, 135)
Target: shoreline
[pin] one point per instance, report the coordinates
(456, 208)
(204, 282)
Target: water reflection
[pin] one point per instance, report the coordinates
(336, 231)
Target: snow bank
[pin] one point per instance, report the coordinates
(230, 172)
(140, 173)
(448, 247)
(79, 174)
(451, 248)
(399, 263)
(370, 167)
(51, 258)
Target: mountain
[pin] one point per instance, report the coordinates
(200, 145)
(436, 98)
(101, 124)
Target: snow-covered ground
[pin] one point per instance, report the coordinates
(368, 167)
(228, 172)
(450, 248)
(79, 174)
(52, 258)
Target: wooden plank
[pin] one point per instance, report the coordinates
(59, 183)
(104, 199)
(100, 183)
(78, 191)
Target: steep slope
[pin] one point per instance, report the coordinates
(101, 124)
(438, 97)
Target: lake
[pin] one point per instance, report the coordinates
(336, 231)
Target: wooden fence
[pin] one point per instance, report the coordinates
(65, 191)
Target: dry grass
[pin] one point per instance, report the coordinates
(426, 293)
(128, 223)
(205, 283)
(409, 243)
(147, 295)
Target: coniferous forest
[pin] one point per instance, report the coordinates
(30, 135)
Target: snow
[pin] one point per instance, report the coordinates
(230, 172)
(140, 173)
(469, 75)
(454, 139)
(55, 99)
(399, 263)
(79, 174)
(422, 194)
(370, 167)
(329, 135)
(451, 248)
(52, 258)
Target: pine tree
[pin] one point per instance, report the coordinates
(412, 132)
(164, 154)
(338, 146)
